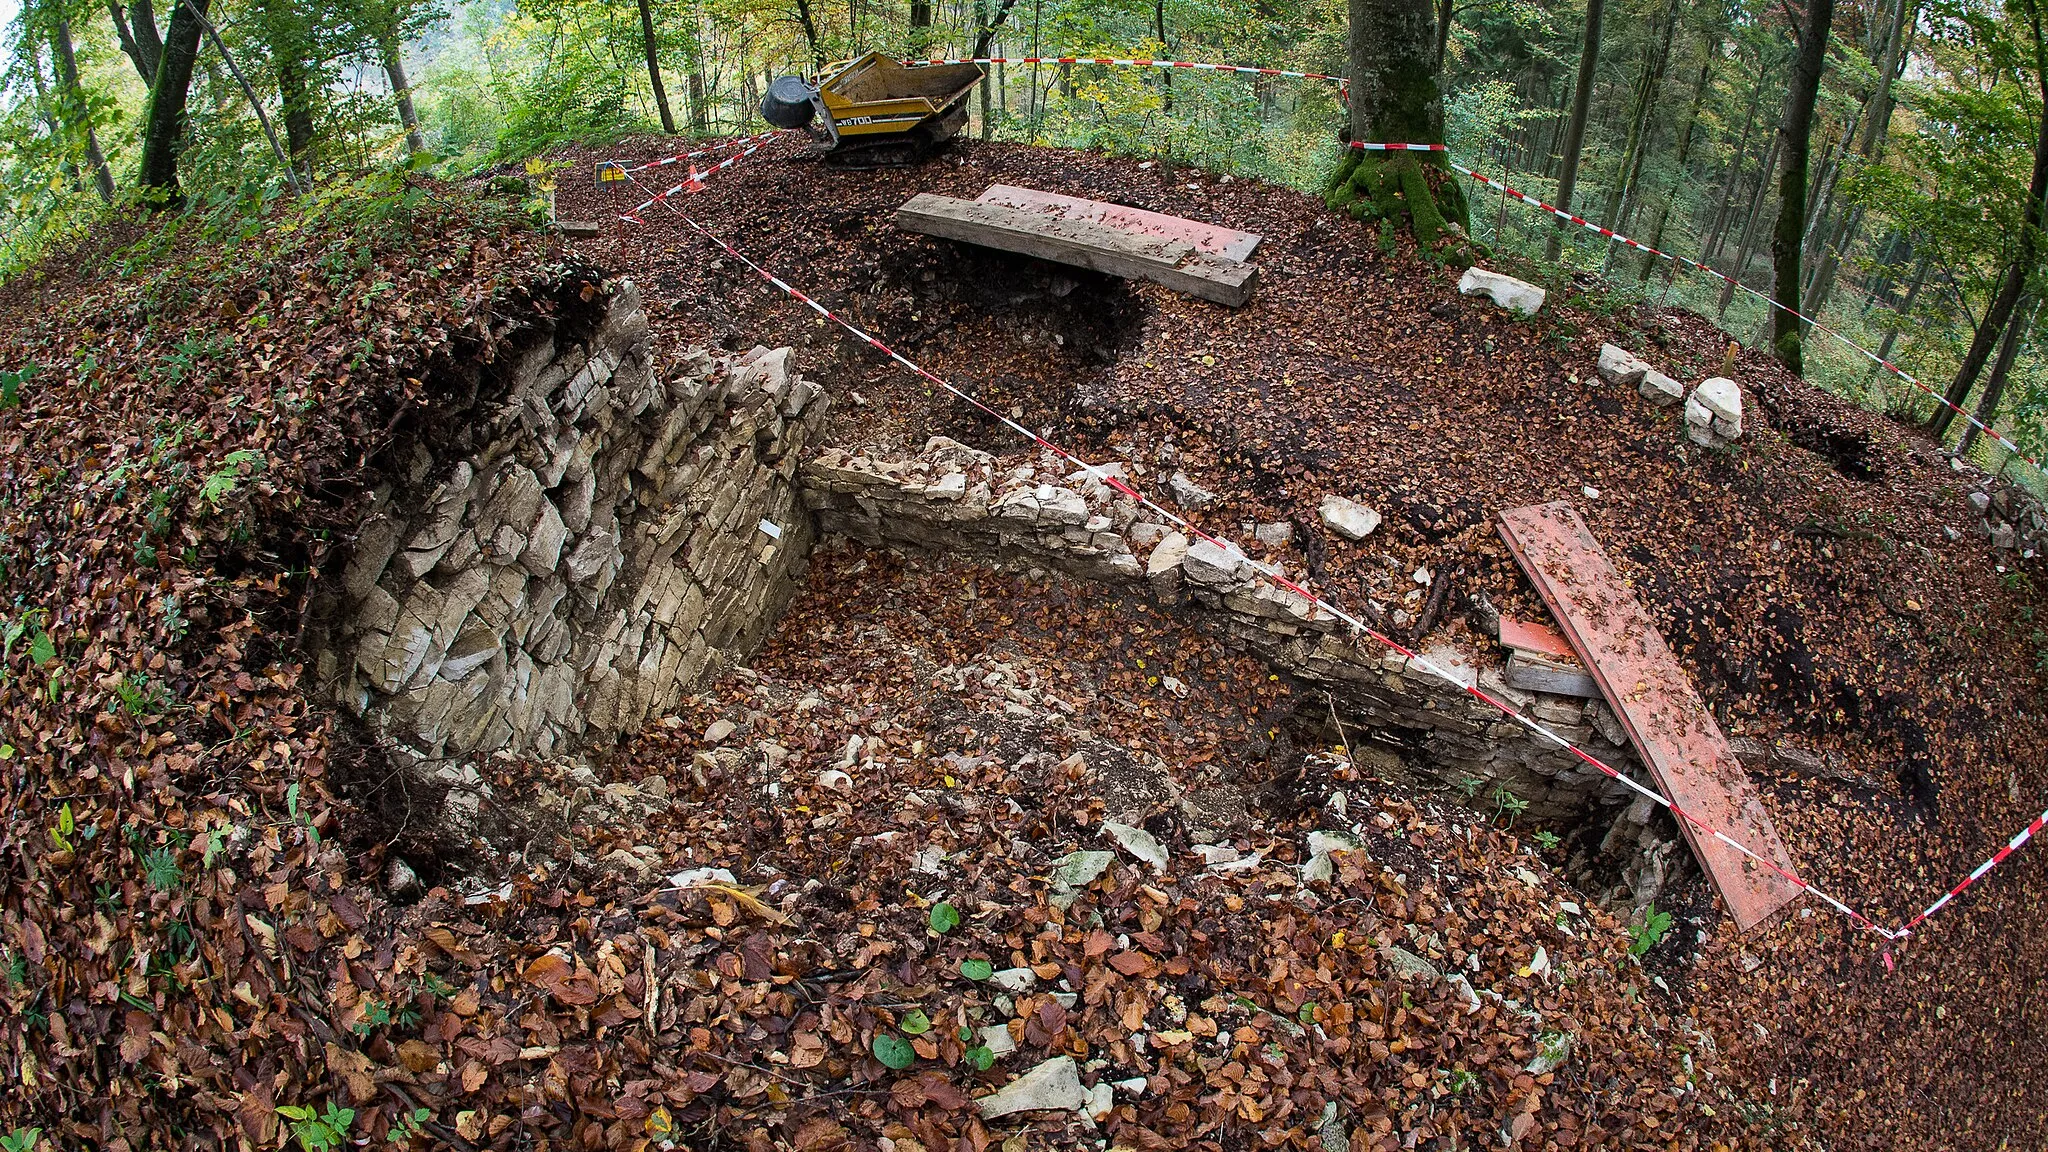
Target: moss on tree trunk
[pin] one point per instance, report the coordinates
(1403, 191)
(1394, 99)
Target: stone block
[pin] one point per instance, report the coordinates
(1518, 296)
(1619, 366)
(1348, 518)
(1659, 389)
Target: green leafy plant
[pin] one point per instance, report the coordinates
(1547, 839)
(1462, 1080)
(981, 1056)
(1470, 785)
(406, 1129)
(222, 482)
(11, 382)
(944, 918)
(977, 970)
(914, 1023)
(141, 696)
(376, 1014)
(61, 830)
(1645, 936)
(21, 1140)
(162, 870)
(1506, 802)
(893, 1051)
(319, 1132)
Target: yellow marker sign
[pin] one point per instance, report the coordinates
(610, 172)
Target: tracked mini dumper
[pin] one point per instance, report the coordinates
(875, 112)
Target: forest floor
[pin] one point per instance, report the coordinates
(197, 937)
(1824, 582)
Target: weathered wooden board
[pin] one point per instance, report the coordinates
(1657, 705)
(1214, 239)
(1534, 672)
(1175, 263)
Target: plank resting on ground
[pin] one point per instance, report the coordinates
(1657, 704)
(1169, 261)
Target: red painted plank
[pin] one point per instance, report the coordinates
(1656, 703)
(1216, 241)
(1533, 637)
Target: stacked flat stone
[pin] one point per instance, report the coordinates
(2011, 518)
(595, 545)
(1713, 413)
(952, 499)
(1621, 367)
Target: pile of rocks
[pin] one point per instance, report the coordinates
(951, 498)
(1713, 413)
(2010, 517)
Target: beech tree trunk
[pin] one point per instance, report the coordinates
(1575, 128)
(1394, 99)
(1794, 133)
(2022, 266)
(163, 122)
(76, 109)
(401, 92)
(648, 43)
(1746, 248)
(1699, 97)
(1994, 388)
(138, 36)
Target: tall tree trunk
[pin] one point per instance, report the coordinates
(1444, 12)
(1717, 231)
(1648, 80)
(76, 108)
(981, 21)
(1879, 121)
(163, 122)
(1575, 128)
(1905, 312)
(401, 92)
(1747, 249)
(989, 30)
(1394, 99)
(700, 100)
(1166, 74)
(1994, 388)
(1692, 116)
(653, 49)
(140, 41)
(2008, 296)
(810, 27)
(1794, 132)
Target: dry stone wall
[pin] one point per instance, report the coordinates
(595, 540)
(956, 499)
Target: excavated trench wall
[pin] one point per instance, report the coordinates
(601, 536)
(598, 537)
(956, 499)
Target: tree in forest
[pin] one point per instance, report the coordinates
(2024, 47)
(652, 49)
(1575, 128)
(1394, 99)
(1795, 130)
(163, 123)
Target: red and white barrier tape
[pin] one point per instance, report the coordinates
(1132, 62)
(1688, 262)
(686, 157)
(1358, 627)
(2011, 846)
(693, 183)
(1372, 146)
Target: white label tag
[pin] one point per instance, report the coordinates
(773, 532)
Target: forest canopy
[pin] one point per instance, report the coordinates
(1664, 121)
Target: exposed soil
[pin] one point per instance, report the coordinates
(1822, 582)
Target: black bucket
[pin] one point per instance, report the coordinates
(788, 103)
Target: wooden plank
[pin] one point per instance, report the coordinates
(1533, 672)
(1657, 705)
(1173, 263)
(1214, 239)
(1541, 639)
